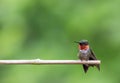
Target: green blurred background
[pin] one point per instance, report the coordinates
(47, 29)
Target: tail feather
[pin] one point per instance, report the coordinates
(85, 67)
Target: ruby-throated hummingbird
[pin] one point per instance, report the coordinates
(85, 53)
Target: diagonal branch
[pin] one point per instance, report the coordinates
(48, 62)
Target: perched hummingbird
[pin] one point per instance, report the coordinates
(85, 53)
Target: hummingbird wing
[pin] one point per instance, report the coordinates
(93, 57)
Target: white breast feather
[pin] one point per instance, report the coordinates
(84, 51)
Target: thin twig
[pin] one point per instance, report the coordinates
(48, 62)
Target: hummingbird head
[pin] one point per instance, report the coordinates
(83, 44)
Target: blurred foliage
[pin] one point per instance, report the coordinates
(47, 29)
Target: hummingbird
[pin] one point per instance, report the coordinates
(86, 53)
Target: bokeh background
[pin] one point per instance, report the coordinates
(47, 29)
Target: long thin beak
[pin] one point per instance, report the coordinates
(76, 41)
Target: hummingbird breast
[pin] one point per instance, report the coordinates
(84, 54)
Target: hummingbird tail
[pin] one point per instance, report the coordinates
(85, 67)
